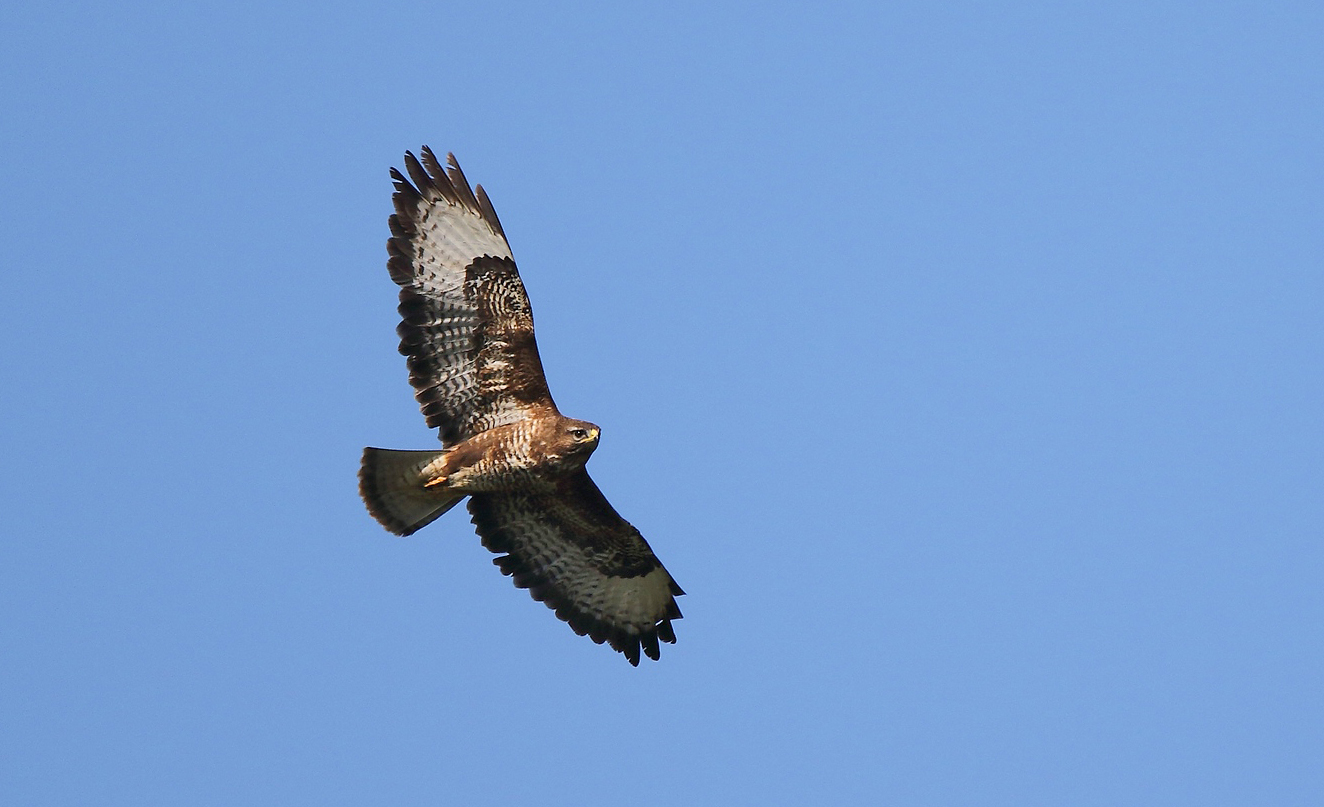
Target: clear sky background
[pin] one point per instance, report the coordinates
(961, 360)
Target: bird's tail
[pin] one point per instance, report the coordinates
(391, 484)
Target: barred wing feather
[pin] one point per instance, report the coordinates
(466, 325)
(574, 552)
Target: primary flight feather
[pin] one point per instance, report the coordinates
(467, 331)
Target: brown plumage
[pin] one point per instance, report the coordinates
(467, 330)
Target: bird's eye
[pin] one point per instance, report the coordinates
(578, 434)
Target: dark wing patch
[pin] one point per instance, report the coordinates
(575, 553)
(466, 327)
(509, 370)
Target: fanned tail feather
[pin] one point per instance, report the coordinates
(391, 484)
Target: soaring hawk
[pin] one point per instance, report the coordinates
(467, 330)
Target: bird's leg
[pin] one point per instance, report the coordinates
(438, 472)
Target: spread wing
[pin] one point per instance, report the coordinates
(574, 552)
(466, 325)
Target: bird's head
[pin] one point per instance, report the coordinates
(579, 437)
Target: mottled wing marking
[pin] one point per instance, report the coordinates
(574, 552)
(510, 380)
(447, 252)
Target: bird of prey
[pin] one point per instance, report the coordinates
(467, 331)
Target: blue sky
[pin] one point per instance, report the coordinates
(962, 361)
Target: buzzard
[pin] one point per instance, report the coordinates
(467, 331)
